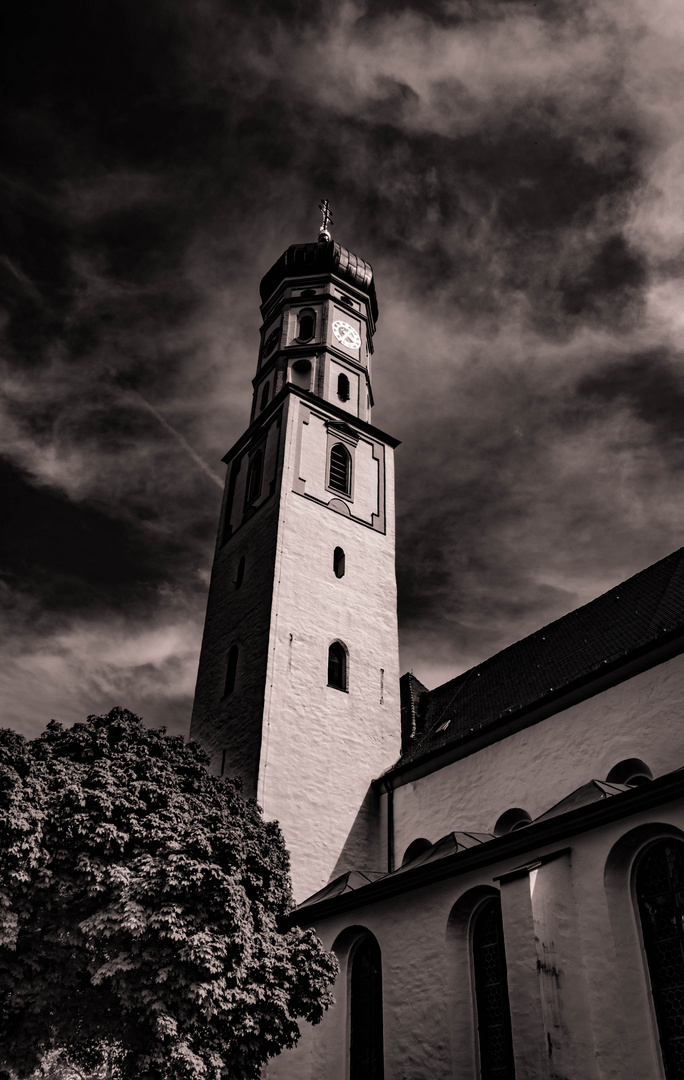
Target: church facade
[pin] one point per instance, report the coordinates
(498, 863)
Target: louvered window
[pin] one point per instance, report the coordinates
(340, 469)
(365, 985)
(660, 896)
(491, 994)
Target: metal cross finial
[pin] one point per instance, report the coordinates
(324, 207)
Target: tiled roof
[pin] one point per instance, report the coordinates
(630, 617)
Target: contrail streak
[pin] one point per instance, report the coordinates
(179, 439)
(192, 453)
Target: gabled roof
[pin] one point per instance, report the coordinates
(353, 879)
(636, 615)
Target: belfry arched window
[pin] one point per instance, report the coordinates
(254, 475)
(491, 993)
(264, 396)
(659, 885)
(307, 324)
(337, 666)
(340, 469)
(365, 1006)
(231, 670)
(343, 387)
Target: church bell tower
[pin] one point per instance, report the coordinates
(298, 683)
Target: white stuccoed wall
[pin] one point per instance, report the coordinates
(322, 747)
(577, 975)
(536, 768)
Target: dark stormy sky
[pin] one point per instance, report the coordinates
(513, 169)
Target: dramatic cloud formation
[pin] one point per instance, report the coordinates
(515, 173)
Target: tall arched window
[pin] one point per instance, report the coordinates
(231, 670)
(491, 993)
(660, 897)
(256, 467)
(337, 666)
(340, 469)
(264, 396)
(365, 991)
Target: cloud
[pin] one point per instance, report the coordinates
(513, 172)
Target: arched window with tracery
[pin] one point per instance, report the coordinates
(340, 469)
(337, 666)
(659, 885)
(491, 993)
(365, 1006)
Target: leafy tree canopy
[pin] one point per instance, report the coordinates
(140, 900)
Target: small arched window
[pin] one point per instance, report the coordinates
(231, 670)
(338, 562)
(660, 897)
(631, 771)
(337, 666)
(491, 993)
(340, 469)
(307, 325)
(239, 577)
(264, 396)
(513, 819)
(254, 474)
(416, 848)
(343, 387)
(365, 1008)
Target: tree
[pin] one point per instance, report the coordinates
(141, 906)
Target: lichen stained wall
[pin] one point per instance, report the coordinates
(323, 746)
(537, 767)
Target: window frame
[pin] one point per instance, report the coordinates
(345, 680)
(484, 1071)
(346, 494)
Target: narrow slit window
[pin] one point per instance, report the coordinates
(491, 994)
(338, 562)
(256, 467)
(264, 395)
(337, 666)
(240, 575)
(659, 881)
(340, 469)
(365, 1008)
(231, 670)
(343, 387)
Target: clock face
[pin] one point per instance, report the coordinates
(346, 334)
(271, 341)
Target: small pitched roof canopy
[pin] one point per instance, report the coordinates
(323, 257)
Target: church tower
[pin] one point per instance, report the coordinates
(298, 683)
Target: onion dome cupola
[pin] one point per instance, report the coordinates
(319, 312)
